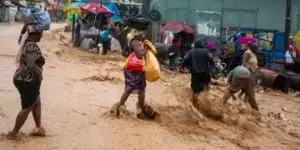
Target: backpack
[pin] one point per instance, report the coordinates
(37, 17)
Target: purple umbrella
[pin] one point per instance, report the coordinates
(246, 40)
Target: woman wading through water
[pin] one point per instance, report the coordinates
(135, 81)
(27, 79)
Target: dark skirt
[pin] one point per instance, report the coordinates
(200, 81)
(29, 92)
(134, 81)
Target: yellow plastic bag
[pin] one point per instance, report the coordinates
(152, 69)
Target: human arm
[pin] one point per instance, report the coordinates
(187, 59)
(210, 58)
(30, 52)
(246, 58)
(229, 76)
(24, 29)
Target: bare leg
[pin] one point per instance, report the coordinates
(141, 98)
(195, 99)
(20, 120)
(241, 94)
(36, 113)
(251, 99)
(226, 96)
(124, 98)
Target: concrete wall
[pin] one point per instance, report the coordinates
(295, 16)
(260, 14)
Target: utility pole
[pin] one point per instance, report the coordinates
(145, 14)
(287, 22)
(145, 8)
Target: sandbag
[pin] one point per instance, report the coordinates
(115, 45)
(133, 63)
(152, 69)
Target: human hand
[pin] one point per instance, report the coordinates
(226, 81)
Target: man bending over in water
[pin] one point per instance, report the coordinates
(240, 79)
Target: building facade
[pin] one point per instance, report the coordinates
(210, 16)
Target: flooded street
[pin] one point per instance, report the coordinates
(79, 88)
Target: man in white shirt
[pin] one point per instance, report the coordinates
(290, 55)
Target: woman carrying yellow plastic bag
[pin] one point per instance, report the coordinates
(152, 69)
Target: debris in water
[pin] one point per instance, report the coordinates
(38, 132)
(102, 78)
(279, 116)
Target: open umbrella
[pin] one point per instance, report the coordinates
(176, 26)
(97, 8)
(246, 40)
(74, 8)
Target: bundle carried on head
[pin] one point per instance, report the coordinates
(138, 23)
(37, 17)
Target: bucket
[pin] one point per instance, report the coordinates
(100, 46)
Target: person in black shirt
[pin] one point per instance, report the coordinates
(198, 60)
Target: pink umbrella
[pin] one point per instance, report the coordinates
(177, 26)
(246, 40)
(97, 8)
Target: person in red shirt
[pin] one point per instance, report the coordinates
(291, 44)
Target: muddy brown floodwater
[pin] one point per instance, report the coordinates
(79, 88)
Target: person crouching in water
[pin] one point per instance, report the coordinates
(135, 82)
(197, 60)
(240, 79)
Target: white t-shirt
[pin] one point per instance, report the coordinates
(288, 57)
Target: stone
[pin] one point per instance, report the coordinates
(284, 109)
(281, 116)
(262, 125)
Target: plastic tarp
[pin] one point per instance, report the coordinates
(112, 7)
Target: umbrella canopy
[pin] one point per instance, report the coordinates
(176, 26)
(112, 6)
(74, 7)
(246, 40)
(77, 4)
(97, 8)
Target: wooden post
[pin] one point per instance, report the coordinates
(73, 26)
(145, 14)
